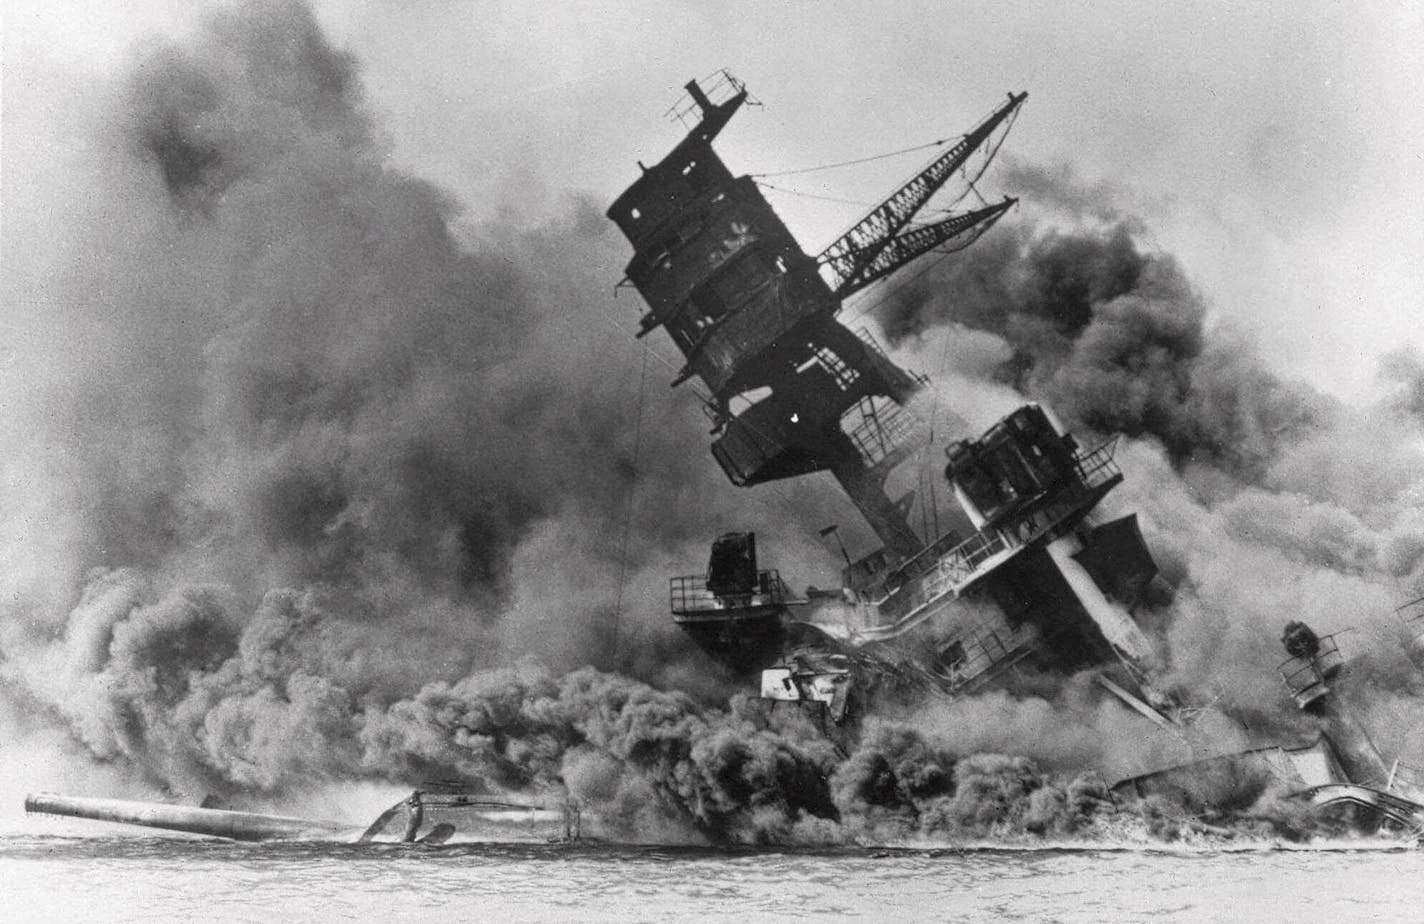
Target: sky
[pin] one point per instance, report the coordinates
(1271, 147)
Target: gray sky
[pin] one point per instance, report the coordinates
(1273, 147)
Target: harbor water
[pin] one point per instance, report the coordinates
(153, 878)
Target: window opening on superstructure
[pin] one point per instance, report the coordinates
(673, 241)
(708, 305)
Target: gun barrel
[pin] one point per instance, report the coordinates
(240, 826)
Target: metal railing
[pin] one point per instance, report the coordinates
(881, 431)
(878, 355)
(984, 650)
(719, 86)
(689, 594)
(959, 564)
(1098, 466)
(924, 560)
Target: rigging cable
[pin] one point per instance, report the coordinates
(858, 160)
(632, 491)
(989, 156)
(796, 192)
(861, 203)
(634, 337)
(1013, 116)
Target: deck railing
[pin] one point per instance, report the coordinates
(958, 565)
(1098, 466)
(984, 650)
(881, 431)
(689, 594)
(877, 355)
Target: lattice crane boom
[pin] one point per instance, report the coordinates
(862, 244)
(902, 248)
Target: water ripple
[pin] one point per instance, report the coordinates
(135, 879)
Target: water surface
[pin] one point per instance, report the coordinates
(149, 878)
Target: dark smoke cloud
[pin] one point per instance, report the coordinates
(1115, 339)
(278, 390)
(1262, 500)
(309, 370)
(299, 439)
(1058, 189)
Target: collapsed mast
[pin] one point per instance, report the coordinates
(791, 390)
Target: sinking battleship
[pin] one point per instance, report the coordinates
(1034, 583)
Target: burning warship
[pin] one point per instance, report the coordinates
(1030, 586)
(1037, 585)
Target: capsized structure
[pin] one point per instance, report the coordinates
(1030, 578)
(1031, 581)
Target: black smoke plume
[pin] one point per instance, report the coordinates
(275, 389)
(1116, 339)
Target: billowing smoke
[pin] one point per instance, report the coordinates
(268, 359)
(290, 432)
(1263, 500)
(314, 479)
(1115, 338)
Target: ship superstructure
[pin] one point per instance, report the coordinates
(791, 391)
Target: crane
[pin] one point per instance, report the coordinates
(875, 247)
(902, 248)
